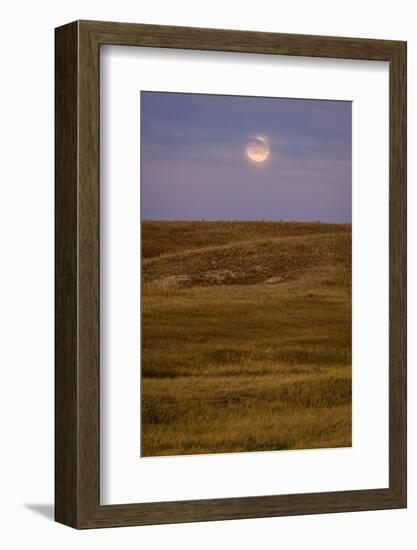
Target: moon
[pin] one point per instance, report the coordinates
(258, 149)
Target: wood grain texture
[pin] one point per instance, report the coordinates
(66, 238)
(78, 284)
(398, 273)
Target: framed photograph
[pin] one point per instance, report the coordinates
(230, 274)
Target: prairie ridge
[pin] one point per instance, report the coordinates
(246, 336)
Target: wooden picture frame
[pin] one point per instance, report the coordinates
(77, 374)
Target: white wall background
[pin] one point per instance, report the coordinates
(26, 272)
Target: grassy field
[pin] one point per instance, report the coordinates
(246, 336)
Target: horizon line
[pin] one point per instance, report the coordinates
(237, 220)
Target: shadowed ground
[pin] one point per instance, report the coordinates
(246, 336)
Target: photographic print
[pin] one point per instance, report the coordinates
(246, 274)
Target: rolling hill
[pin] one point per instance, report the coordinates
(246, 336)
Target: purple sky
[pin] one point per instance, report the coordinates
(194, 165)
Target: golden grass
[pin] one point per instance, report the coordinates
(231, 363)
